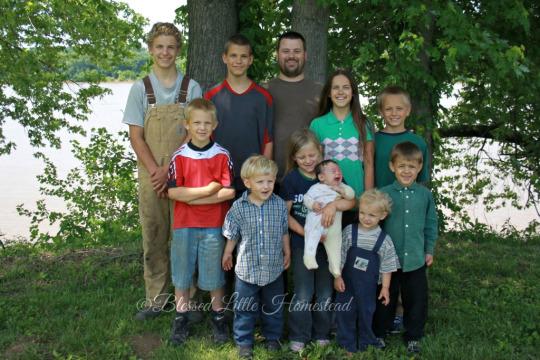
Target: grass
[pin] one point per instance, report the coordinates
(79, 304)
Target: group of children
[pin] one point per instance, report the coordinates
(363, 263)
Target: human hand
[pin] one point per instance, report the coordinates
(429, 259)
(227, 261)
(385, 296)
(158, 179)
(317, 207)
(339, 284)
(286, 259)
(328, 214)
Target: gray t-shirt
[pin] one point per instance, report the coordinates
(295, 105)
(137, 102)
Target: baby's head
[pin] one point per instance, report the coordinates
(329, 173)
(374, 206)
(406, 162)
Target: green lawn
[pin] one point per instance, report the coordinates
(79, 304)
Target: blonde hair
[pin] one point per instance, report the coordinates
(297, 141)
(201, 104)
(377, 198)
(258, 165)
(393, 90)
(164, 28)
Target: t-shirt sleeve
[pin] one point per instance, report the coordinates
(135, 105)
(176, 178)
(286, 191)
(346, 242)
(194, 90)
(388, 256)
(269, 123)
(231, 228)
(369, 131)
(424, 174)
(314, 127)
(226, 172)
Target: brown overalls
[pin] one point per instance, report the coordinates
(164, 132)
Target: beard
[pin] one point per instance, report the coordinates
(292, 72)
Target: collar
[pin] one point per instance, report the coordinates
(332, 119)
(397, 186)
(382, 132)
(196, 148)
(245, 195)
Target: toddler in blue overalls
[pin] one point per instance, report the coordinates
(366, 252)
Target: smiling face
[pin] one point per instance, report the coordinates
(406, 171)
(200, 126)
(331, 175)
(291, 57)
(164, 50)
(394, 110)
(307, 158)
(238, 59)
(260, 186)
(341, 92)
(369, 215)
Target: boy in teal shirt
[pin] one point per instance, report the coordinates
(394, 105)
(413, 227)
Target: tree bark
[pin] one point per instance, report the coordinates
(311, 20)
(424, 102)
(210, 23)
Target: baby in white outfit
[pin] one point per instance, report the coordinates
(329, 188)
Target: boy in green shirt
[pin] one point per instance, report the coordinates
(394, 105)
(413, 227)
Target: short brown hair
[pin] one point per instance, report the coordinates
(408, 151)
(240, 40)
(392, 90)
(163, 28)
(201, 104)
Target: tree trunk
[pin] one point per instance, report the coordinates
(311, 20)
(211, 23)
(424, 102)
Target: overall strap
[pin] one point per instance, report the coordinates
(149, 90)
(182, 94)
(380, 239)
(354, 235)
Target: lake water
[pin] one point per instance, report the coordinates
(18, 182)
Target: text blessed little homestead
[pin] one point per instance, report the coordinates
(235, 303)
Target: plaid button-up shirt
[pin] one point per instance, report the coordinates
(258, 231)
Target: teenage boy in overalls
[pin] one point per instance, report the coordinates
(155, 115)
(366, 252)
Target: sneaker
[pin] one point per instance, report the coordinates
(220, 328)
(413, 346)
(381, 344)
(323, 342)
(180, 329)
(245, 352)
(397, 326)
(272, 345)
(296, 346)
(148, 313)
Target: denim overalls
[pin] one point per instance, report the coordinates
(361, 274)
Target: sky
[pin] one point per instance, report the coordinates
(156, 10)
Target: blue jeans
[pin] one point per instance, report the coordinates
(309, 319)
(252, 301)
(202, 247)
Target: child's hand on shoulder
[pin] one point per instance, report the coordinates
(339, 284)
(429, 259)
